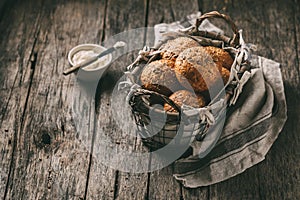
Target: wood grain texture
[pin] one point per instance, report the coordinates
(43, 153)
(17, 41)
(271, 26)
(49, 162)
(120, 16)
(162, 184)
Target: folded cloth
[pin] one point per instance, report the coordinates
(251, 127)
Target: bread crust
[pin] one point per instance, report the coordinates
(196, 69)
(172, 48)
(221, 57)
(159, 76)
(185, 97)
(225, 73)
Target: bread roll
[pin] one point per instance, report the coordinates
(172, 48)
(221, 57)
(159, 76)
(185, 97)
(225, 73)
(195, 69)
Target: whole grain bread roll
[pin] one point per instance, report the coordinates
(195, 69)
(172, 48)
(185, 97)
(221, 57)
(225, 73)
(159, 76)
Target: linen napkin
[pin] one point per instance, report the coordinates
(251, 127)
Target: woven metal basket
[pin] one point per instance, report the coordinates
(157, 127)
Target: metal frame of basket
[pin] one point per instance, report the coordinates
(182, 127)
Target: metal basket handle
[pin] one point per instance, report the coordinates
(214, 14)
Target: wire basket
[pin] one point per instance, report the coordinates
(157, 127)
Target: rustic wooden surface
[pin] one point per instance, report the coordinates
(40, 154)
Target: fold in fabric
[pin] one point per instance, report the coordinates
(252, 125)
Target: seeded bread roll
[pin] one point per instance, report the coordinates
(185, 97)
(221, 57)
(225, 73)
(159, 76)
(172, 48)
(195, 69)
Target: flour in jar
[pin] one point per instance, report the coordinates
(83, 55)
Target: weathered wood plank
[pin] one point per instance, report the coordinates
(51, 162)
(17, 42)
(244, 186)
(282, 165)
(41, 156)
(113, 120)
(81, 23)
(268, 24)
(195, 194)
(162, 183)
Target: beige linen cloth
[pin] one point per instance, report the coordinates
(251, 127)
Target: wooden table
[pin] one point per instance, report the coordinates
(41, 157)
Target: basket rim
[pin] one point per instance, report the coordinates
(238, 50)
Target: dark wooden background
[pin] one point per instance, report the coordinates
(39, 155)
